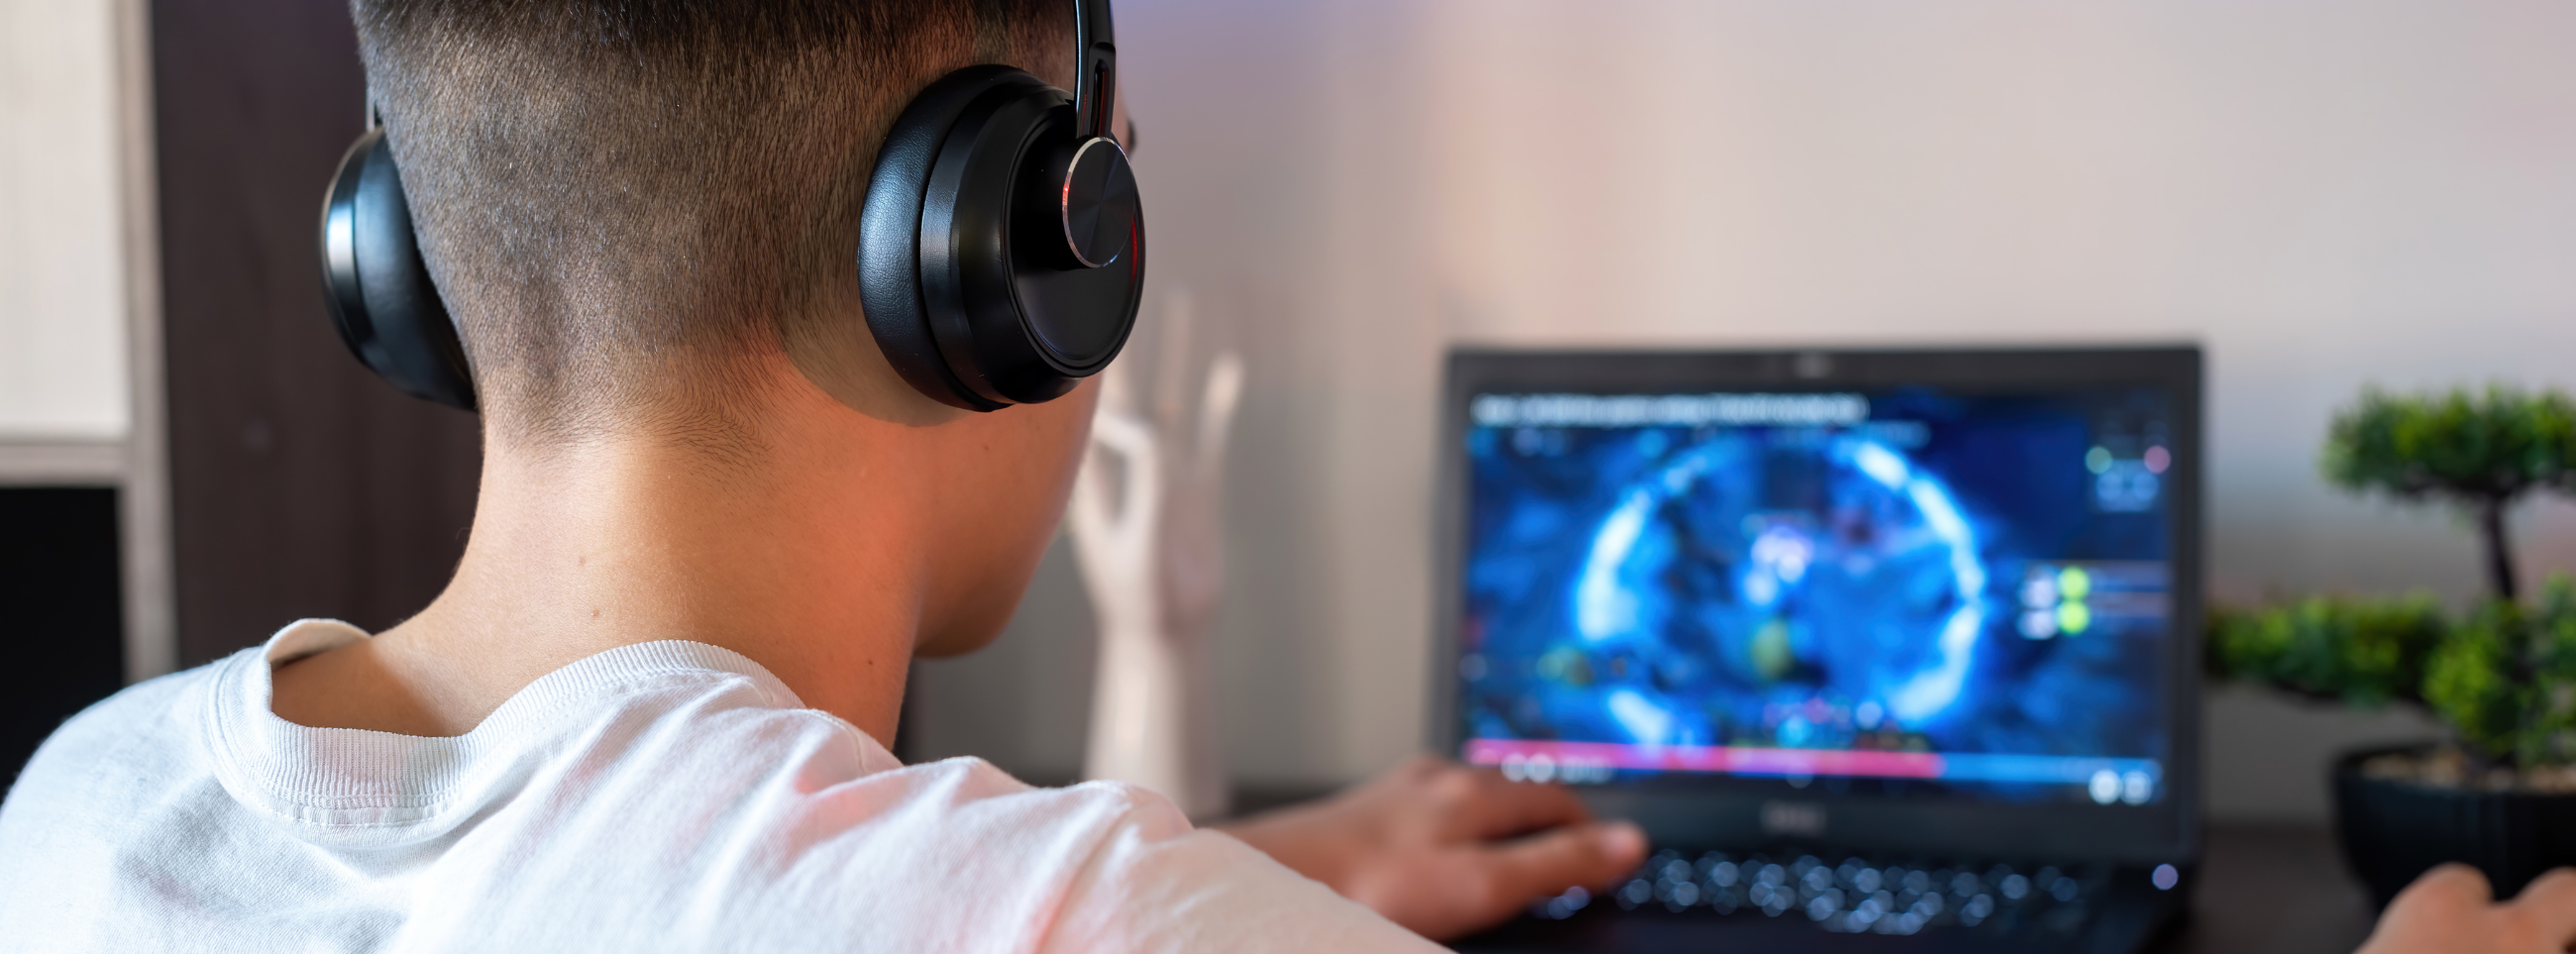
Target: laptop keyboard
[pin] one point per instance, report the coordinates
(1851, 894)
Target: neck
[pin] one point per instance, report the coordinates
(787, 547)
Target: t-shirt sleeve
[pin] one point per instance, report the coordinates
(1155, 885)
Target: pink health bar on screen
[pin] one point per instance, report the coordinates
(1738, 760)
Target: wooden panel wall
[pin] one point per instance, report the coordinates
(301, 486)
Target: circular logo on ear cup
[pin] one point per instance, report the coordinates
(1099, 202)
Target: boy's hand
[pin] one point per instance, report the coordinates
(1447, 850)
(2450, 910)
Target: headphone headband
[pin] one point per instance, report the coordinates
(1096, 85)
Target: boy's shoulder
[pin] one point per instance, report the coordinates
(59, 826)
(151, 725)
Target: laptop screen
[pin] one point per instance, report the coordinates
(1904, 590)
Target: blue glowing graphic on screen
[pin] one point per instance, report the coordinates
(1966, 592)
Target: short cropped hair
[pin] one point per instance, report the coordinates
(620, 200)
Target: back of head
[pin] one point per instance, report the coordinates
(627, 203)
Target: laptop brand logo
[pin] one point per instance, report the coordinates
(1803, 819)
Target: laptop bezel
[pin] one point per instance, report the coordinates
(2167, 830)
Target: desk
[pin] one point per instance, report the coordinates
(2273, 889)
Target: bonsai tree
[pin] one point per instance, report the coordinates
(2483, 452)
(2502, 677)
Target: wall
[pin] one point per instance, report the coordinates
(300, 484)
(80, 358)
(186, 143)
(62, 263)
(2326, 195)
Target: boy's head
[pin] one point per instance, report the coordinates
(639, 211)
(629, 206)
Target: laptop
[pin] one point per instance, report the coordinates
(1886, 650)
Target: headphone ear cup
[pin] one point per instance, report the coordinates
(890, 249)
(381, 297)
(969, 287)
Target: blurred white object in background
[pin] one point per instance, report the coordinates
(1146, 526)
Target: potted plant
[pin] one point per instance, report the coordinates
(2500, 793)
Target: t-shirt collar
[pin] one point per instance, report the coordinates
(359, 784)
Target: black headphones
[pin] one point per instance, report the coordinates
(1001, 251)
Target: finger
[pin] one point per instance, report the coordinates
(2449, 887)
(2439, 903)
(1591, 856)
(2550, 902)
(1483, 805)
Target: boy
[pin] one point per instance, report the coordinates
(714, 525)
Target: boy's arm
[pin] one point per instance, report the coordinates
(2450, 910)
(1447, 850)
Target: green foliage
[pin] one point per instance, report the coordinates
(2470, 681)
(2511, 694)
(2361, 652)
(2503, 678)
(2480, 451)
(2549, 735)
(2463, 445)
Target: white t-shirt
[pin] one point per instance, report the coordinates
(669, 796)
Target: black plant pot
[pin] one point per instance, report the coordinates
(2391, 831)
